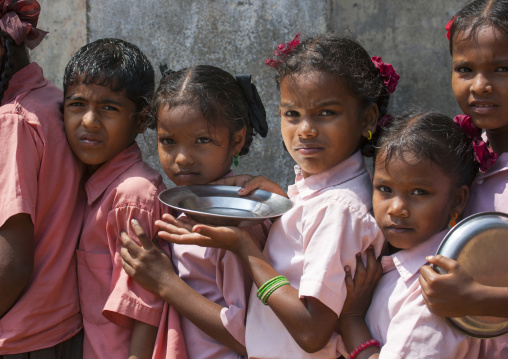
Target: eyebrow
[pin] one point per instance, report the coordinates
(101, 101)
(323, 103)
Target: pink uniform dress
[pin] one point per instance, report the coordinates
(399, 318)
(40, 176)
(489, 192)
(218, 275)
(329, 224)
(121, 189)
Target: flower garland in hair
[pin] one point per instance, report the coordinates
(282, 51)
(448, 27)
(483, 154)
(390, 77)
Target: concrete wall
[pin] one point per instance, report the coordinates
(239, 35)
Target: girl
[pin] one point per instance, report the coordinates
(423, 169)
(41, 210)
(205, 119)
(478, 37)
(332, 95)
(106, 86)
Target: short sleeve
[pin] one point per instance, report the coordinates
(128, 300)
(334, 231)
(20, 163)
(414, 332)
(235, 284)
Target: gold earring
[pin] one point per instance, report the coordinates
(453, 220)
(369, 137)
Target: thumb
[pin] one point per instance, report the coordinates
(444, 262)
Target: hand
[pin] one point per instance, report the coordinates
(360, 290)
(452, 294)
(190, 232)
(250, 183)
(147, 264)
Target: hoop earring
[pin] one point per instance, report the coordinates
(453, 220)
(369, 137)
(235, 159)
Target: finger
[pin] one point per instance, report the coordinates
(427, 274)
(260, 182)
(190, 238)
(170, 228)
(185, 222)
(446, 263)
(146, 242)
(360, 271)
(127, 242)
(350, 286)
(232, 181)
(372, 263)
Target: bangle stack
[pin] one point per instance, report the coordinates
(362, 347)
(266, 290)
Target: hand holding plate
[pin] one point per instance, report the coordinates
(250, 183)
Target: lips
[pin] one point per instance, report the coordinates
(309, 149)
(396, 228)
(88, 139)
(482, 107)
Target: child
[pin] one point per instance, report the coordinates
(41, 203)
(332, 95)
(479, 48)
(106, 87)
(205, 119)
(423, 169)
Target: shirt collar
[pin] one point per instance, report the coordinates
(408, 261)
(101, 179)
(500, 165)
(351, 167)
(28, 78)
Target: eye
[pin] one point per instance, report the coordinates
(291, 113)
(203, 140)
(75, 104)
(110, 108)
(166, 141)
(326, 113)
(419, 192)
(462, 69)
(502, 69)
(384, 189)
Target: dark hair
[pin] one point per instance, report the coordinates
(218, 94)
(116, 64)
(431, 136)
(479, 13)
(13, 58)
(339, 55)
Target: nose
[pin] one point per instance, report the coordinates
(481, 84)
(184, 157)
(306, 129)
(398, 208)
(90, 119)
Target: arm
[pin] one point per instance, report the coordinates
(309, 321)
(16, 259)
(457, 294)
(352, 325)
(142, 340)
(250, 183)
(151, 267)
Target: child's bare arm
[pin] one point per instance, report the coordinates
(309, 321)
(152, 268)
(457, 294)
(142, 341)
(16, 259)
(250, 183)
(351, 324)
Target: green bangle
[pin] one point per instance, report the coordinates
(268, 284)
(272, 289)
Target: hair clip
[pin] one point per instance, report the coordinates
(385, 120)
(483, 154)
(390, 77)
(448, 27)
(282, 51)
(257, 111)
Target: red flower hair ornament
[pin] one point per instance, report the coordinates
(282, 51)
(18, 19)
(448, 27)
(483, 154)
(390, 77)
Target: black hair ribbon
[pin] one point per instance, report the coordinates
(256, 109)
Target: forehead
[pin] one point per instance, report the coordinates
(486, 42)
(97, 93)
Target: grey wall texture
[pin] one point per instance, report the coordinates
(238, 35)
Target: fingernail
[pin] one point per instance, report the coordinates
(133, 221)
(429, 258)
(241, 190)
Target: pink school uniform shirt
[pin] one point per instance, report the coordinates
(330, 223)
(399, 318)
(121, 189)
(218, 275)
(489, 192)
(40, 176)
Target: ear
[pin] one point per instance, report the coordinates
(370, 117)
(459, 200)
(141, 121)
(238, 140)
